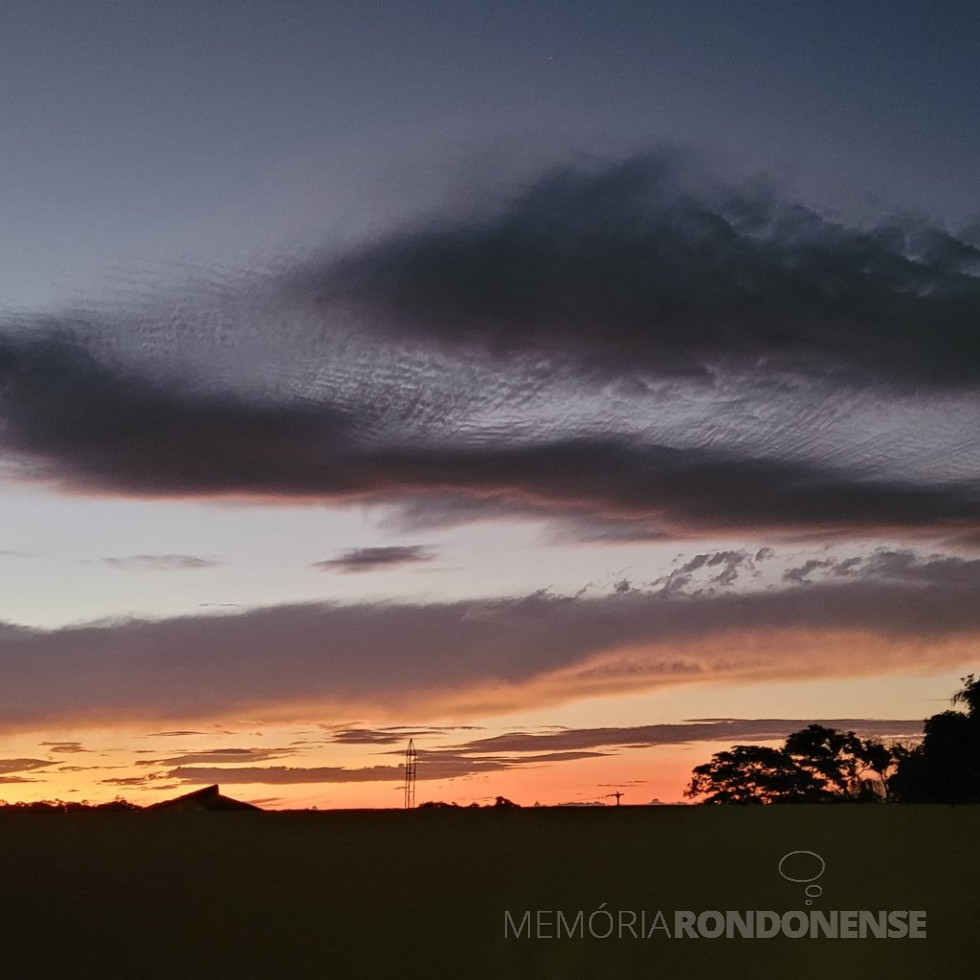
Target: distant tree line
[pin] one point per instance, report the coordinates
(74, 806)
(501, 802)
(824, 765)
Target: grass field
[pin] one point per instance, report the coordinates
(423, 894)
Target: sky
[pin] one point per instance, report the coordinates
(575, 388)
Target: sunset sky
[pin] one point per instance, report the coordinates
(577, 388)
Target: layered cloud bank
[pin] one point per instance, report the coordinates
(297, 763)
(887, 613)
(516, 750)
(91, 426)
(625, 352)
(651, 262)
(70, 419)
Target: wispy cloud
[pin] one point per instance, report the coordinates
(521, 749)
(69, 748)
(718, 569)
(432, 765)
(8, 766)
(180, 733)
(383, 736)
(147, 780)
(160, 563)
(715, 730)
(889, 564)
(223, 756)
(373, 559)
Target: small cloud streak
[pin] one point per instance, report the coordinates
(146, 780)
(69, 748)
(159, 563)
(385, 736)
(218, 756)
(356, 560)
(433, 765)
(8, 766)
(182, 733)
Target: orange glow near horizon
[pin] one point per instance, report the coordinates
(141, 765)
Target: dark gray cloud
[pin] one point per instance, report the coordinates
(708, 730)
(432, 765)
(646, 262)
(177, 734)
(221, 756)
(886, 564)
(517, 749)
(159, 563)
(146, 780)
(381, 736)
(718, 569)
(22, 765)
(904, 565)
(88, 425)
(565, 522)
(105, 426)
(419, 659)
(70, 748)
(522, 366)
(372, 559)
(102, 768)
(800, 572)
(286, 775)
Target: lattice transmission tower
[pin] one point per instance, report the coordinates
(411, 765)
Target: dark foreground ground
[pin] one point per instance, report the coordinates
(355, 894)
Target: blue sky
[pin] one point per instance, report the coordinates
(139, 134)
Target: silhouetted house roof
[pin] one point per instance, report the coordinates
(203, 799)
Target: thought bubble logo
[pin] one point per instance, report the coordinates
(803, 867)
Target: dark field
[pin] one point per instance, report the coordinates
(423, 894)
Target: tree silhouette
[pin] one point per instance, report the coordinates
(500, 801)
(752, 774)
(815, 765)
(839, 760)
(945, 767)
(69, 806)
